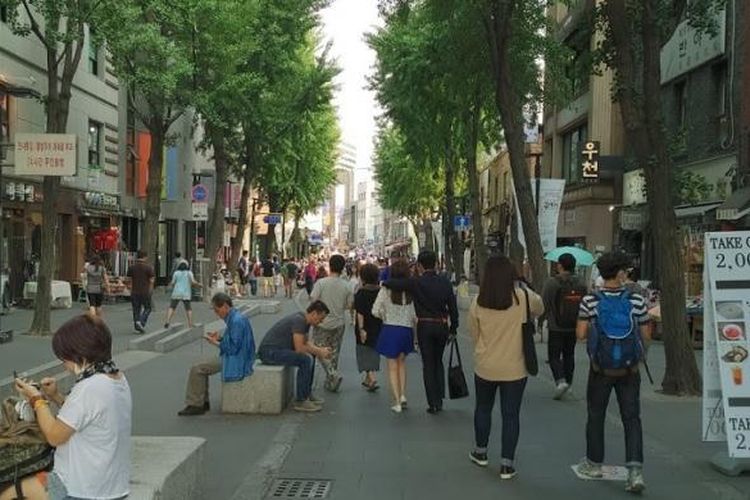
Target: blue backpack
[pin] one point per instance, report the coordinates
(615, 342)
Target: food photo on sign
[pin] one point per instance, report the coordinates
(731, 332)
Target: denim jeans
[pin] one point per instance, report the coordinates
(141, 308)
(561, 349)
(287, 357)
(511, 394)
(628, 391)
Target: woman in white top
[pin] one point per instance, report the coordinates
(92, 429)
(396, 339)
(182, 285)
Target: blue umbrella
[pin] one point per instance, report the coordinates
(583, 258)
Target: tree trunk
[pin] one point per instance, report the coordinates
(509, 105)
(643, 120)
(429, 238)
(216, 227)
(453, 245)
(296, 238)
(57, 108)
(480, 249)
(156, 127)
(243, 221)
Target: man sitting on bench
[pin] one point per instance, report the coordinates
(235, 360)
(287, 344)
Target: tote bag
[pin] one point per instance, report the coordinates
(457, 387)
(528, 330)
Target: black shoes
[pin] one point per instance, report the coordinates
(507, 472)
(206, 406)
(190, 411)
(434, 410)
(479, 458)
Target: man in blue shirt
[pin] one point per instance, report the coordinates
(235, 360)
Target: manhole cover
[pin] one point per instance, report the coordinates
(299, 488)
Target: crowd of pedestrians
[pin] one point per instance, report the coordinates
(395, 311)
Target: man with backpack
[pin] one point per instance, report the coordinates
(614, 323)
(562, 296)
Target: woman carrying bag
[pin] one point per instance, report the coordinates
(496, 322)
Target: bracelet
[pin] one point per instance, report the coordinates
(38, 404)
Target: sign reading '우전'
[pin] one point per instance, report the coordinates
(45, 154)
(726, 324)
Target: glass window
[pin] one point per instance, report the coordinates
(571, 152)
(93, 54)
(4, 14)
(95, 142)
(680, 95)
(720, 82)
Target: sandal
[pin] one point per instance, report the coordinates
(373, 387)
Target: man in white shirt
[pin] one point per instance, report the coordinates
(336, 293)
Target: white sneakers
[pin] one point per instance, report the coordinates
(560, 390)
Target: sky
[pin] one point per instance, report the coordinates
(345, 23)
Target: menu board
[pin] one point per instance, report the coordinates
(726, 367)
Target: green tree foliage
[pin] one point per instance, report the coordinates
(154, 57)
(633, 33)
(406, 187)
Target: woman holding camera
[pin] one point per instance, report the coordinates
(91, 432)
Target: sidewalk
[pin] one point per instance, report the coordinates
(369, 452)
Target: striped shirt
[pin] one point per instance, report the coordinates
(590, 303)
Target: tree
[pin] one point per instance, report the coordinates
(60, 26)
(633, 34)
(155, 59)
(411, 190)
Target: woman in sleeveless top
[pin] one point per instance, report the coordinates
(96, 283)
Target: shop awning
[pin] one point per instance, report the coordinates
(694, 210)
(736, 206)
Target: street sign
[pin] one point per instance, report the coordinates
(462, 222)
(200, 193)
(45, 154)
(200, 211)
(272, 219)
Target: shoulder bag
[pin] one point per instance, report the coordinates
(528, 330)
(457, 387)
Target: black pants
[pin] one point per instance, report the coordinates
(432, 337)
(561, 350)
(141, 308)
(511, 395)
(628, 391)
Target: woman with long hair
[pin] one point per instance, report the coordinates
(496, 320)
(96, 283)
(396, 340)
(91, 430)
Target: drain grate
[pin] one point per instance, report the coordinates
(283, 489)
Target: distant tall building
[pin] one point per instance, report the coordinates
(341, 194)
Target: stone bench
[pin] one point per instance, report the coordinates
(267, 391)
(166, 468)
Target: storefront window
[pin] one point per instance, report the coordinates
(93, 52)
(572, 142)
(95, 140)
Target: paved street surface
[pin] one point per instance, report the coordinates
(368, 452)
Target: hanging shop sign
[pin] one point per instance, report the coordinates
(45, 154)
(550, 199)
(100, 201)
(590, 161)
(726, 320)
(200, 211)
(23, 192)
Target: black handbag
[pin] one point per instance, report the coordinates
(457, 387)
(528, 330)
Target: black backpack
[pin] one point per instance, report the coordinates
(568, 302)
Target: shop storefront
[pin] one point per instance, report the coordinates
(20, 234)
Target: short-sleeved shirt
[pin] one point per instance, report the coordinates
(336, 293)
(363, 302)
(94, 278)
(95, 461)
(268, 268)
(590, 303)
(281, 335)
(141, 275)
(183, 285)
(291, 270)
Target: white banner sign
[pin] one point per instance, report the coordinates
(726, 324)
(200, 211)
(551, 194)
(45, 154)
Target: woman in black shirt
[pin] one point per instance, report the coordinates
(366, 326)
